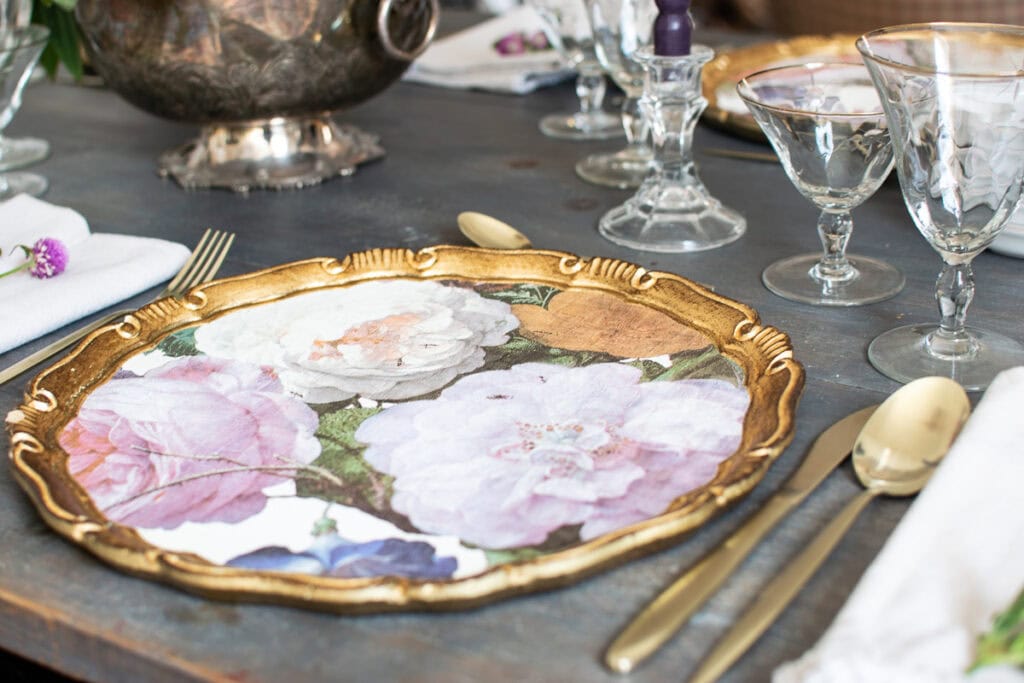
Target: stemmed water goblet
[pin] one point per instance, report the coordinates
(954, 97)
(20, 49)
(18, 152)
(620, 28)
(829, 130)
(566, 25)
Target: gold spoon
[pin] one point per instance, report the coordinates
(487, 231)
(895, 454)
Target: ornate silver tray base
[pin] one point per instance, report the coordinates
(280, 153)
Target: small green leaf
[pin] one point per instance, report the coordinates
(523, 293)
(180, 343)
(649, 370)
(706, 363)
(1004, 644)
(496, 557)
(64, 46)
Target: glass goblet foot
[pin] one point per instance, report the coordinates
(21, 152)
(798, 278)
(19, 182)
(912, 351)
(595, 125)
(625, 169)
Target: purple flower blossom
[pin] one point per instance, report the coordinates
(49, 258)
(511, 44)
(518, 43)
(538, 41)
(331, 555)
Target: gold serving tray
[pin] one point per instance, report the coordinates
(725, 110)
(761, 355)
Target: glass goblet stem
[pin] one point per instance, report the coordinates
(834, 230)
(590, 89)
(954, 290)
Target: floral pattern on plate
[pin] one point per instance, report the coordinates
(410, 428)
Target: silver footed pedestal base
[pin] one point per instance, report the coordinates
(281, 153)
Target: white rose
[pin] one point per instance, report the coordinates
(384, 340)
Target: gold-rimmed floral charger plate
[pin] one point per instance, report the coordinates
(725, 108)
(406, 430)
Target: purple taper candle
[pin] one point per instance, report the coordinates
(673, 29)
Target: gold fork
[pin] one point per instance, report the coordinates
(201, 267)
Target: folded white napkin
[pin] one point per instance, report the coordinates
(468, 59)
(102, 269)
(953, 562)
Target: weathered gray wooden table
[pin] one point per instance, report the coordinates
(449, 152)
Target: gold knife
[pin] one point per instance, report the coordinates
(670, 610)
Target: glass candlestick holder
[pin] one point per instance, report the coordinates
(672, 211)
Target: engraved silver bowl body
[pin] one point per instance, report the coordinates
(260, 76)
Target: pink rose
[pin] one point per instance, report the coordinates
(197, 439)
(503, 458)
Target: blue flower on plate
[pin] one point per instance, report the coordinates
(332, 555)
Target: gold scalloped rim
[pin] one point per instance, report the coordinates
(773, 378)
(731, 65)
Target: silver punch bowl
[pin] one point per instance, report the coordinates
(261, 77)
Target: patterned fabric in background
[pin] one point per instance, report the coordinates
(825, 16)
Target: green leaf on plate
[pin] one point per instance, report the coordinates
(180, 343)
(356, 484)
(496, 557)
(706, 363)
(522, 293)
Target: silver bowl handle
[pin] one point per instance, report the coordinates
(384, 11)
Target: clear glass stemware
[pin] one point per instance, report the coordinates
(673, 210)
(954, 97)
(19, 152)
(20, 49)
(828, 128)
(620, 28)
(566, 25)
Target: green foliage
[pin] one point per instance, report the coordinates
(361, 486)
(180, 343)
(64, 46)
(496, 557)
(706, 363)
(523, 293)
(1004, 644)
(518, 350)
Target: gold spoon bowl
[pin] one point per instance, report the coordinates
(491, 233)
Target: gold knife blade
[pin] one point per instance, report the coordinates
(657, 622)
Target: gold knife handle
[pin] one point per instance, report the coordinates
(669, 611)
(778, 593)
(56, 347)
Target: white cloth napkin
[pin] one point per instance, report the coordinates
(953, 562)
(468, 59)
(102, 269)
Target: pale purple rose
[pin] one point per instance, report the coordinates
(197, 440)
(503, 458)
(383, 340)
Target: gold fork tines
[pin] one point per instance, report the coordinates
(201, 267)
